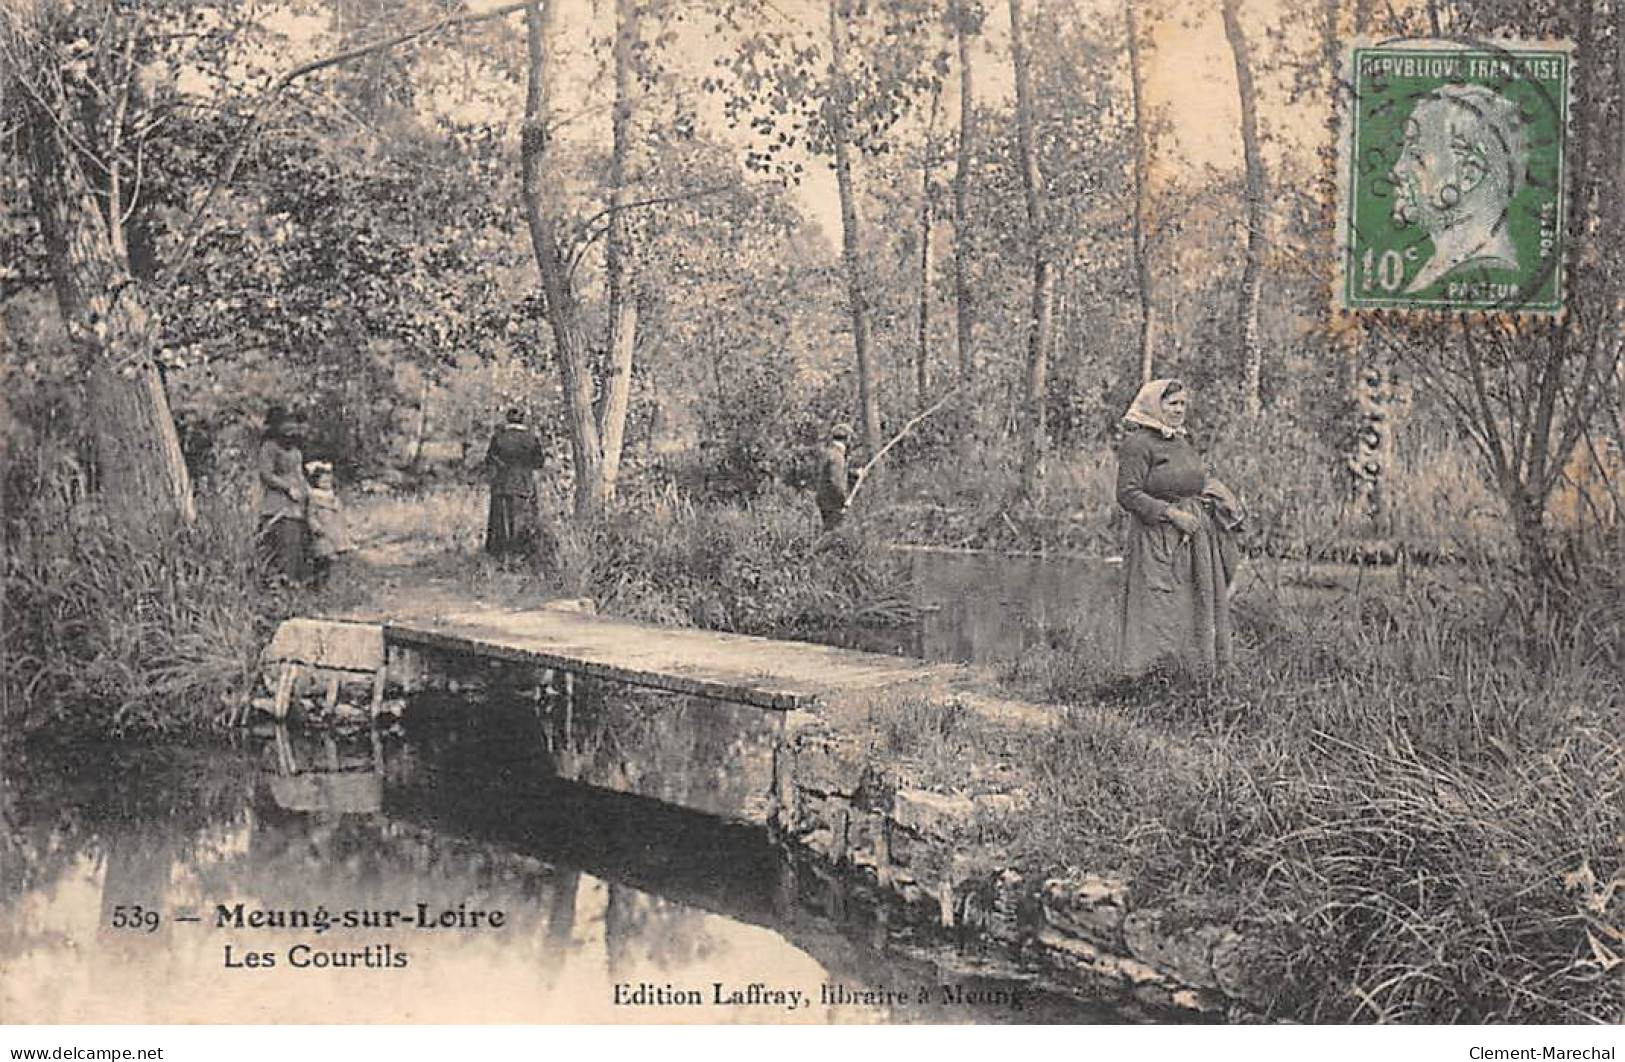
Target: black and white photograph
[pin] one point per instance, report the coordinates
(812, 512)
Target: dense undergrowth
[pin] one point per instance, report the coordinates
(763, 566)
(111, 632)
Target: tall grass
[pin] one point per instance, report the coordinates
(1417, 798)
(763, 566)
(447, 519)
(113, 631)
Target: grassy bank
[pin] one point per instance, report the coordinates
(111, 632)
(1418, 798)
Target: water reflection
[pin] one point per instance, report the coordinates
(271, 846)
(693, 752)
(332, 782)
(983, 608)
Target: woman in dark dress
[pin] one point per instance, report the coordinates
(284, 534)
(510, 464)
(1180, 560)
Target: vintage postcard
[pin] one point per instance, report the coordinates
(813, 512)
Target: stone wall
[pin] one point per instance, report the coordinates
(937, 855)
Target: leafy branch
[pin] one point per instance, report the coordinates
(246, 137)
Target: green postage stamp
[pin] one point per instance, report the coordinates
(1452, 180)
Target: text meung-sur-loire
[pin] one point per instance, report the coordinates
(320, 919)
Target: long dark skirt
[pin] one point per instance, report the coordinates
(284, 549)
(1175, 603)
(510, 526)
(832, 507)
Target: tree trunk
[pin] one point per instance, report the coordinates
(1252, 358)
(851, 232)
(140, 472)
(922, 342)
(420, 430)
(563, 314)
(964, 312)
(1142, 148)
(1043, 296)
(620, 270)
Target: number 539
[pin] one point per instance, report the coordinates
(134, 916)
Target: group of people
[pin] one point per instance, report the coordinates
(302, 529)
(1179, 563)
(301, 521)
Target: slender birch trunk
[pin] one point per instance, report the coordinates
(1252, 357)
(620, 269)
(922, 339)
(1043, 291)
(964, 310)
(851, 228)
(1142, 148)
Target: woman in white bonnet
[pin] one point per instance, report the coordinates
(1181, 558)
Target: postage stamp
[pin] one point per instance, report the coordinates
(1452, 176)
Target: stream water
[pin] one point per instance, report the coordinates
(591, 857)
(514, 896)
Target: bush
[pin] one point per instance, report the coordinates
(762, 566)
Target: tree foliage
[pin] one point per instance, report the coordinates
(368, 256)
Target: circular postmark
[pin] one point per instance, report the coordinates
(1452, 181)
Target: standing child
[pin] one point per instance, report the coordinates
(325, 514)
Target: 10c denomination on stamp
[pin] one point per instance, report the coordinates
(1452, 178)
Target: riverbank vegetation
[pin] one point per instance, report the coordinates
(1414, 800)
(110, 632)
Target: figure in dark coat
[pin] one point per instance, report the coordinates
(1180, 560)
(510, 463)
(832, 484)
(283, 533)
